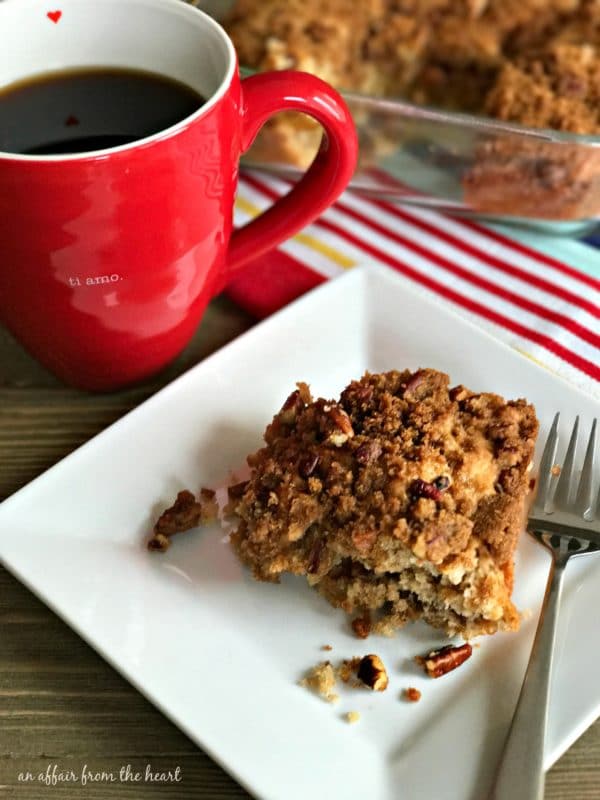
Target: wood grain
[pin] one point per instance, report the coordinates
(60, 703)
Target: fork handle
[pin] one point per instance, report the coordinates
(520, 775)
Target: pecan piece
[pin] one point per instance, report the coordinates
(368, 452)
(363, 392)
(185, 513)
(291, 408)
(420, 488)
(343, 429)
(372, 673)
(414, 381)
(440, 662)
(458, 393)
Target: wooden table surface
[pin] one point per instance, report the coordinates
(60, 703)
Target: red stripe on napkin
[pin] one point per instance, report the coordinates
(385, 179)
(499, 264)
(583, 277)
(472, 305)
(518, 300)
(426, 251)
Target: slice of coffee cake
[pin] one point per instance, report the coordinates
(404, 500)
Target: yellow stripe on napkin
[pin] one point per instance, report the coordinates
(303, 238)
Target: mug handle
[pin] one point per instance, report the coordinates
(327, 177)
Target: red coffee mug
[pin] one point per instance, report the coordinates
(108, 259)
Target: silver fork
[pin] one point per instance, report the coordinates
(565, 517)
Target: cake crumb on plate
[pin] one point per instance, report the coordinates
(411, 694)
(185, 513)
(321, 679)
(362, 626)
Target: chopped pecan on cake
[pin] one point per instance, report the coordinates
(401, 500)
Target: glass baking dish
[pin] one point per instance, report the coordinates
(452, 162)
(459, 164)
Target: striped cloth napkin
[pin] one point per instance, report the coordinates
(539, 294)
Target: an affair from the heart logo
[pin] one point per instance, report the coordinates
(54, 16)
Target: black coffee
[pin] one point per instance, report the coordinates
(81, 110)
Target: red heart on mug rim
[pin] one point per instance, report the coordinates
(54, 16)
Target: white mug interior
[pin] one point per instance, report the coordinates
(167, 37)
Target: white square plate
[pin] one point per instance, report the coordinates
(221, 654)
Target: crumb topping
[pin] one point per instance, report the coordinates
(530, 61)
(404, 496)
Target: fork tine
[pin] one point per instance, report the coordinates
(563, 487)
(584, 504)
(548, 456)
